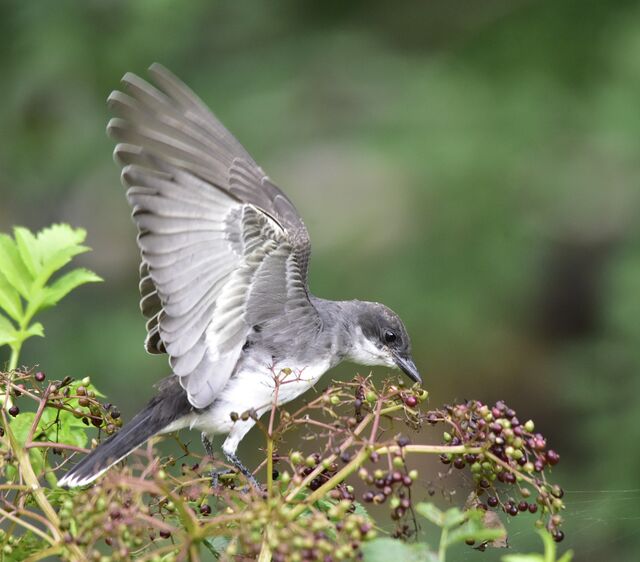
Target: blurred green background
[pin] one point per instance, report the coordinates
(474, 165)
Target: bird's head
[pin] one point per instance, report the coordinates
(380, 338)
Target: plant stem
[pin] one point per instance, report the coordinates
(15, 354)
(442, 549)
(431, 449)
(265, 550)
(31, 480)
(269, 465)
(27, 526)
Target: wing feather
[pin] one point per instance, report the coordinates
(222, 247)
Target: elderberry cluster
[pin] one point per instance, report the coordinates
(391, 485)
(507, 460)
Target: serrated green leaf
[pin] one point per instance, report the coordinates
(59, 237)
(361, 510)
(8, 332)
(65, 284)
(10, 299)
(385, 549)
(12, 266)
(431, 513)
(28, 249)
(58, 260)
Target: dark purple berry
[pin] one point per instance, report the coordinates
(403, 441)
(40, 376)
(14, 410)
(552, 457)
(558, 535)
(367, 497)
(523, 506)
(205, 509)
(411, 401)
(165, 534)
(459, 463)
(533, 508)
(492, 501)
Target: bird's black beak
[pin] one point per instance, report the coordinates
(408, 367)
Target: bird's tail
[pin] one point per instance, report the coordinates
(157, 417)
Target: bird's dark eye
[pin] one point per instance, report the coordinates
(390, 336)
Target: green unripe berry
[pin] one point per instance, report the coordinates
(529, 426)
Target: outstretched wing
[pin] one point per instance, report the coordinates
(223, 249)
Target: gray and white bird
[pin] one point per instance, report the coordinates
(224, 286)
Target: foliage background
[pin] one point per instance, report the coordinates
(473, 165)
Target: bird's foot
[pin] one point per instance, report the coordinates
(216, 477)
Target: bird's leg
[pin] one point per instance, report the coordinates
(215, 474)
(235, 461)
(230, 446)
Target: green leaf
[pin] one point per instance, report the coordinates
(21, 425)
(454, 517)
(8, 333)
(216, 545)
(13, 267)
(549, 552)
(431, 513)
(473, 530)
(385, 549)
(36, 329)
(58, 237)
(57, 261)
(10, 299)
(62, 426)
(65, 284)
(28, 249)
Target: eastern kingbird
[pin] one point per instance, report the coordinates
(223, 279)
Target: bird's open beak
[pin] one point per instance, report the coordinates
(408, 367)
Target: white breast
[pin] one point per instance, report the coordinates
(253, 386)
